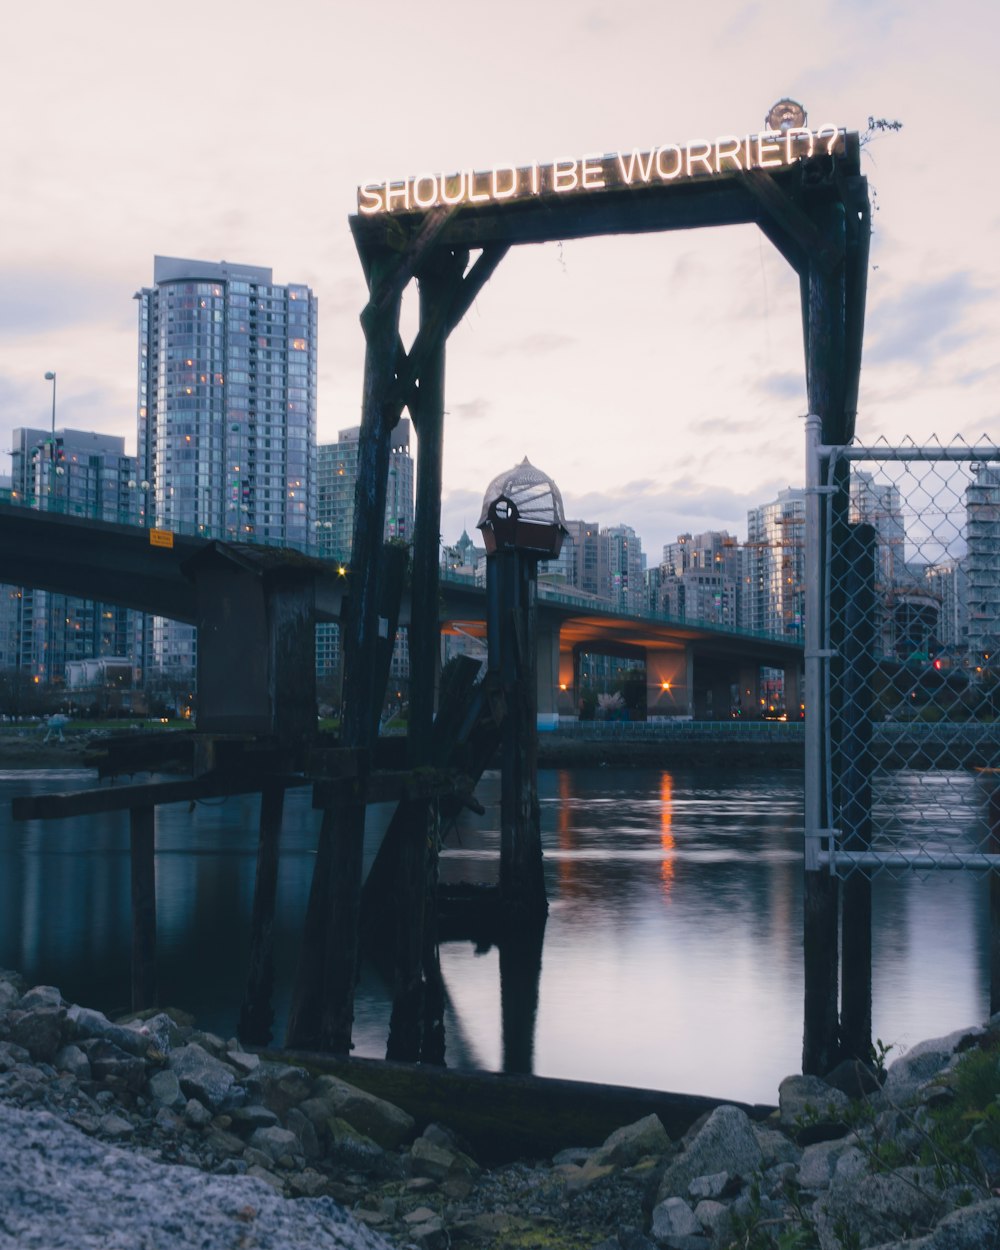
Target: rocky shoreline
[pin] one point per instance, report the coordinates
(148, 1132)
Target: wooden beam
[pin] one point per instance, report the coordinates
(391, 279)
(782, 211)
(150, 794)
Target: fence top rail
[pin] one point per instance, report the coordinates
(959, 454)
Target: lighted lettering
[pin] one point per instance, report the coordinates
(565, 176)
(592, 173)
(768, 143)
(833, 132)
(636, 158)
(473, 197)
(698, 159)
(698, 153)
(793, 133)
(370, 200)
(499, 192)
(429, 200)
(453, 189)
(668, 174)
(397, 190)
(728, 148)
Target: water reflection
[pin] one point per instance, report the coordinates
(672, 952)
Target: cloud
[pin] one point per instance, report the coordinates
(34, 301)
(472, 409)
(782, 386)
(536, 344)
(923, 321)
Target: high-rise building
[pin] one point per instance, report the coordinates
(982, 563)
(226, 412)
(76, 473)
(774, 598)
(948, 582)
(701, 578)
(337, 475)
(626, 569)
(591, 559)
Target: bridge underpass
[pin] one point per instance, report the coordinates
(690, 670)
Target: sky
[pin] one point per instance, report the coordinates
(658, 379)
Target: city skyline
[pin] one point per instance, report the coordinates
(659, 379)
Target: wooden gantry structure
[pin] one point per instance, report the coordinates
(805, 190)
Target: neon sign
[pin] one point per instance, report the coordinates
(698, 159)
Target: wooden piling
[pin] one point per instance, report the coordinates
(142, 824)
(257, 1012)
(823, 318)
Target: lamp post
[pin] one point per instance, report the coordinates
(51, 377)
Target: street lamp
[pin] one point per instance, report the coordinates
(51, 377)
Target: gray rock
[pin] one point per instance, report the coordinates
(725, 1143)
(41, 996)
(712, 1186)
(110, 1064)
(196, 1113)
(803, 1100)
(84, 1023)
(40, 1029)
(298, 1124)
(116, 1126)
(277, 1143)
(71, 1059)
(970, 1228)
(675, 1226)
(869, 1210)
(385, 1124)
(11, 1055)
(58, 1186)
(201, 1075)
(253, 1116)
(776, 1147)
(165, 1089)
(920, 1063)
(818, 1164)
(635, 1141)
(711, 1215)
(438, 1162)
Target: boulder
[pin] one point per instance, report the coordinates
(676, 1226)
(806, 1102)
(921, 1063)
(725, 1143)
(384, 1123)
(40, 1029)
(201, 1075)
(111, 1065)
(628, 1145)
(969, 1228)
(869, 1210)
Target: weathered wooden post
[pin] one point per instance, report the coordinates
(257, 1013)
(142, 824)
(522, 522)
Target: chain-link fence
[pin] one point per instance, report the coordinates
(903, 658)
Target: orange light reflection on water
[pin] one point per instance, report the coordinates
(667, 866)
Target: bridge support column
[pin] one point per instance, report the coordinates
(669, 682)
(750, 691)
(793, 691)
(548, 674)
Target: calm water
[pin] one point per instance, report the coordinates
(672, 954)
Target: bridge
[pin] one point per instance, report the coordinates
(690, 667)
